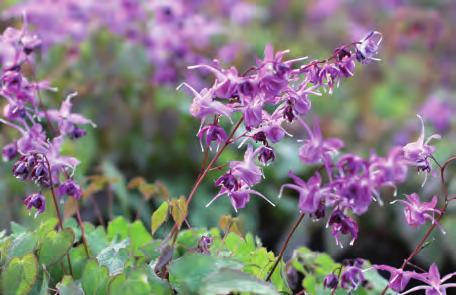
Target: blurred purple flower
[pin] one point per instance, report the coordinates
(438, 111)
(247, 170)
(419, 151)
(310, 193)
(342, 224)
(435, 285)
(368, 47)
(417, 212)
(212, 133)
(399, 278)
(36, 201)
(331, 281)
(70, 188)
(352, 277)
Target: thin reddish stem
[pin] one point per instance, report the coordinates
(285, 245)
(423, 240)
(56, 205)
(203, 174)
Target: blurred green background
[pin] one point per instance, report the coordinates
(145, 130)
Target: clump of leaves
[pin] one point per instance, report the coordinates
(121, 259)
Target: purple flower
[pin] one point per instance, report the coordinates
(398, 277)
(239, 196)
(247, 170)
(66, 120)
(253, 115)
(227, 82)
(419, 151)
(70, 188)
(352, 277)
(9, 151)
(204, 105)
(342, 224)
(316, 149)
(367, 48)
(310, 192)
(389, 170)
(345, 62)
(266, 155)
(36, 201)
(355, 193)
(435, 285)
(417, 212)
(228, 181)
(212, 133)
(331, 281)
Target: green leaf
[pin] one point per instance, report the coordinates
(159, 217)
(136, 284)
(55, 245)
(309, 283)
(116, 284)
(20, 275)
(69, 287)
(187, 273)
(45, 227)
(97, 240)
(73, 224)
(17, 228)
(95, 278)
(114, 257)
(22, 244)
(44, 290)
(179, 210)
(118, 228)
(226, 281)
(139, 237)
(79, 258)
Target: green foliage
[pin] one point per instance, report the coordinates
(123, 259)
(54, 246)
(20, 275)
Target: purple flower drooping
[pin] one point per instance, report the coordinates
(9, 151)
(70, 188)
(419, 151)
(342, 224)
(352, 277)
(331, 281)
(36, 201)
(212, 133)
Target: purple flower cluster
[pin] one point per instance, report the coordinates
(39, 146)
(275, 92)
(173, 32)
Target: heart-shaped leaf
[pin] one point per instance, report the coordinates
(22, 244)
(187, 273)
(20, 275)
(114, 257)
(69, 287)
(226, 281)
(95, 278)
(55, 245)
